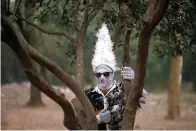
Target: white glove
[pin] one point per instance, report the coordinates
(103, 117)
(144, 92)
(143, 99)
(127, 73)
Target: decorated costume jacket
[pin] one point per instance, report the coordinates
(114, 101)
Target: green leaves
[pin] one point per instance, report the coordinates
(174, 29)
(54, 11)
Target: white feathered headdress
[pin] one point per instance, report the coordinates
(103, 54)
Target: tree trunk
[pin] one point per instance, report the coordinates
(118, 29)
(35, 97)
(174, 87)
(35, 94)
(80, 60)
(126, 83)
(44, 73)
(80, 48)
(124, 24)
(34, 38)
(155, 11)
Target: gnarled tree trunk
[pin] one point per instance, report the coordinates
(174, 87)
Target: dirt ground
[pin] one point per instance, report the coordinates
(16, 116)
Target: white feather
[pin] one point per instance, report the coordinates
(103, 53)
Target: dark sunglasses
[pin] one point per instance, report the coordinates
(105, 74)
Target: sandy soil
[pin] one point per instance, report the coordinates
(16, 116)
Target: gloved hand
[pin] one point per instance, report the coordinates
(143, 98)
(127, 73)
(103, 116)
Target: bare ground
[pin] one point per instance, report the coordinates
(16, 116)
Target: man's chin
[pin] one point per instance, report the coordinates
(102, 86)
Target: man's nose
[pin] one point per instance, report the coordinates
(102, 76)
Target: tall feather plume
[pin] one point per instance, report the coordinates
(103, 53)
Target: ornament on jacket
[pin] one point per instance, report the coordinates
(95, 98)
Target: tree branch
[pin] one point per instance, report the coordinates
(126, 49)
(45, 31)
(17, 4)
(80, 48)
(32, 73)
(65, 78)
(70, 120)
(85, 22)
(156, 9)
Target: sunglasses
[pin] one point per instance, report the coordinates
(105, 74)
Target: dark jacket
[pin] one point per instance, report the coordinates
(114, 101)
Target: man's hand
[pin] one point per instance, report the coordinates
(143, 98)
(103, 116)
(127, 73)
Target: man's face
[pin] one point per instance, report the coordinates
(105, 76)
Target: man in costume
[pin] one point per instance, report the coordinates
(107, 97)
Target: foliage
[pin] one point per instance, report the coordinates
(175, 29)
(192, 30)
(189, 63)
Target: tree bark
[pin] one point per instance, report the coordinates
(118, 29)
(123, 23)
(80, 48)
(126, 22)
(80, 60)
(126, 83)
(35, 97)
(174, 87)
(154, 14)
